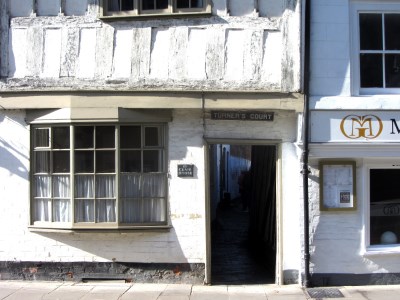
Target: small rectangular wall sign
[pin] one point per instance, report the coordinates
(242, 115)
(185, 170)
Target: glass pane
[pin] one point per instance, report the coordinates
(392, 70)
(105, 161)
(84, 137)
(130, 185)
(61, 186)
(42, 210)
(60, 137)
(148, 4)
(130, 137)
(392, 31)
(105, 186)
(152, 136)
(61, 162)
(371, 72)
(131, 211)
(41, 137)
(152, 161)
(189, 3)
(196, 3)
(127, 4)
(384, 206)
(154, 185)
(182, 3)
(84, 186)
(113, 5)
(105, 137)
(42, 162)
(131, 161)
(61, 211)
(105, 211)
(84, 162)
(84, 211)
(371, 32)
(161, 4)
(42, 186)
(153, 210)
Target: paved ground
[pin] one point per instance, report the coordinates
(28, 290)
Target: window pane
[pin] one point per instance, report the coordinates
(152, 136)
(84, 186)
(41, 137)
(105, 186)
(127, 5)
(392, 31)
(371, 32)
(130, 137)
(61, 137)
(61, 211)
(392, 70)
(153, 210)
(84, 211)
(113, 5)
(42, 162)
(84, 137)
(84, 162)
(161, 4)
(42, 186)
(384, 206)
(131, 161)
(131, 211)
(130, 185)
(42, 210)
(105, 211)
(61, 162)
(189, 3)
(196, 3)
(148, 4)
(61, 187)
(105, 137)
(371, 72)
(154, 185)
(152, 161)
(105, 161)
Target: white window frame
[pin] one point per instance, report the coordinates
(138, 11)
(367, 248)
(101, 225)
(357, 7)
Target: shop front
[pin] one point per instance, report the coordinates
(355, 203)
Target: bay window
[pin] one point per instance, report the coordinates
(90, 176)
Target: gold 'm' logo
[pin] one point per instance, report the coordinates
(355, 127)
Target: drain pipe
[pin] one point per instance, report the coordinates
(304, 158)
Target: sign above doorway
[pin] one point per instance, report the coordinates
(242, 115)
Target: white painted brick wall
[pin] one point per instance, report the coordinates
(185, 242)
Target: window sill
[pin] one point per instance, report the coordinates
(101, 230)
(382, 250)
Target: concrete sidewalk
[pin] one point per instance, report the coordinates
(28, 290)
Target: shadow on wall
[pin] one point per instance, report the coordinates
(141, 256)
(11, 158)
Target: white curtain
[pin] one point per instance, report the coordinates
(139, 203)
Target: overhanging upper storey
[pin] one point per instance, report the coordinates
(214, 47)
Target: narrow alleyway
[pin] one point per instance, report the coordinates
(232, 259)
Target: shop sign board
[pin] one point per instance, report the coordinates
(355, 126)
(185, 170)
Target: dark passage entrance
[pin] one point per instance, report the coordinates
(243, 204)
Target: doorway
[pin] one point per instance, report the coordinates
(243, 213)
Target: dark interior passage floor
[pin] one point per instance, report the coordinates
(232, 260)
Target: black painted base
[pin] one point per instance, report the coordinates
(79, 271)
(333, 279)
